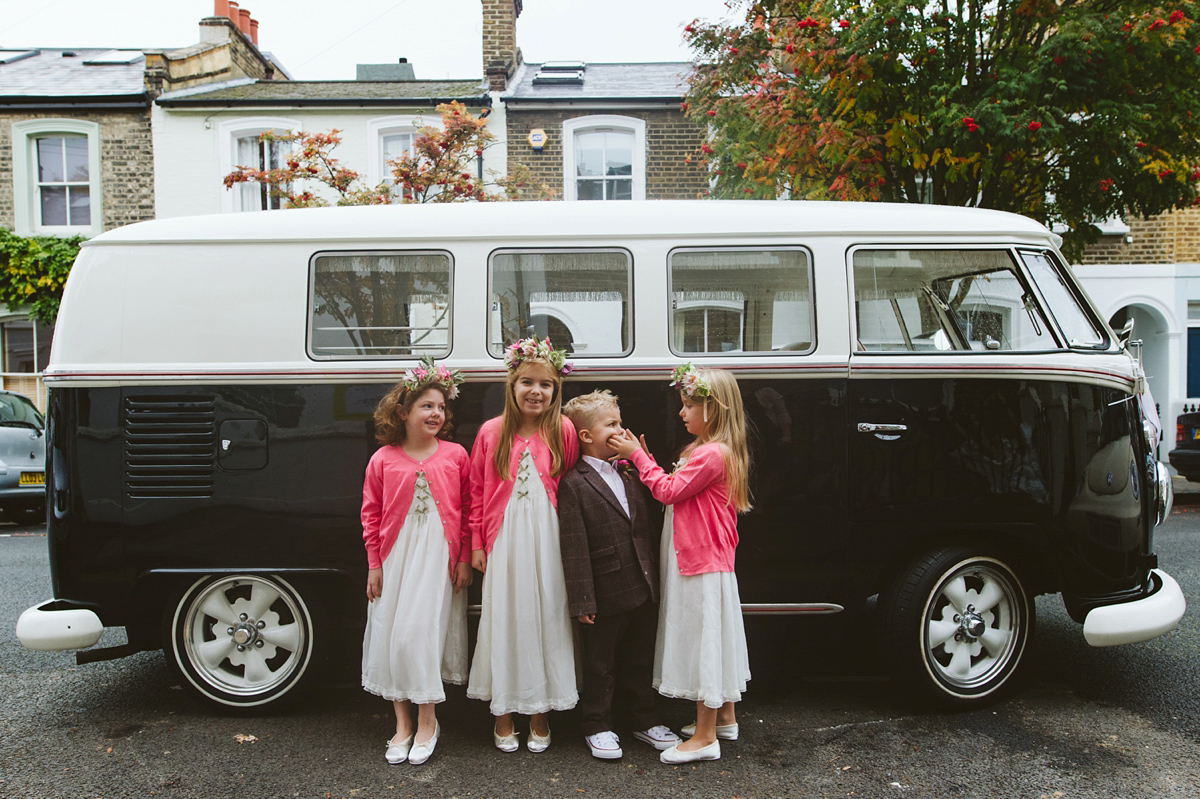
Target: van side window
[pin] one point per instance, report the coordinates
(579, 299)
(1064, 305)
(939, 300)
(750, 301)
(379, 305)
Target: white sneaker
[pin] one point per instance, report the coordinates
(604, 745)
(660, 737)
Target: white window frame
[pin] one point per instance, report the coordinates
(228, 133)
(576, 125)
(377, 171)
(26, 219)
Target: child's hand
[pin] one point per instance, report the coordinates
(625, 444)
(479, 561)
(461, 576)
(588, 619)
(374, 584)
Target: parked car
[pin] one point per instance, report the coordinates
(22, 459)
(1186, 455)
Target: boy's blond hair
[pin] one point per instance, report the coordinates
(582, 410)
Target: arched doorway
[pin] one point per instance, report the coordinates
(1152, 329)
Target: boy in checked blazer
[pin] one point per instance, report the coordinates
(609, 553)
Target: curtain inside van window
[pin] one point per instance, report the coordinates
(380, 305)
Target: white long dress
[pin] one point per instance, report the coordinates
(524, 659)
(416, 637)
(700, 651)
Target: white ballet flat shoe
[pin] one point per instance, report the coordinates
(537, 743)
(505, 743)
(725, 732)
(398, 752)
(710, 752)
(421, 752)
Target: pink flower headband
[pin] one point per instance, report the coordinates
(530, 349)
(430, 375)
(690, 382)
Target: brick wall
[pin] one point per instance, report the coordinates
(127, 164)
(1165, 239)
(670, 140)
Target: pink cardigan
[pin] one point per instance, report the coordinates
(490, 493)
(705, 522)
(388, 492)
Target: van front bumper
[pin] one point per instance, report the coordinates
(1153, 615)
(54, 625)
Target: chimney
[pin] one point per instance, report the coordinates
(243, 21)
(220, 8)
(254, 31)
(501, 56)
(232, 8)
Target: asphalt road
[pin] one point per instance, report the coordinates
(1086, 722)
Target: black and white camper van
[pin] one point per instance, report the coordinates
(943, 422)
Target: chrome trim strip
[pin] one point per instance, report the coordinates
(783, 609)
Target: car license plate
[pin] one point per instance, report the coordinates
(33, 478)
(1196, 434)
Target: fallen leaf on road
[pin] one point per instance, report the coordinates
(243, 738)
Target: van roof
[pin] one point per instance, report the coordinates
(497, 221)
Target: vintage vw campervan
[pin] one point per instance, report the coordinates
(945, 428)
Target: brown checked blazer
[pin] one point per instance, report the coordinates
(610, 560)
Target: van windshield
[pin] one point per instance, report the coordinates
(943, 300)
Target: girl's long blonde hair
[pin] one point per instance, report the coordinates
(726, 425)
(549, 421)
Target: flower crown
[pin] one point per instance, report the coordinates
(690, 382)
(430, 375)
(530, 349)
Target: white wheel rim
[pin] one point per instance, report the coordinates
(246, 635)
(972, 627)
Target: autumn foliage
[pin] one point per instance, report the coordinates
(441, 167)
(1069, 112)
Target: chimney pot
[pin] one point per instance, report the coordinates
(220, 8)
(232, 7)
(254, 31)
(243, 21)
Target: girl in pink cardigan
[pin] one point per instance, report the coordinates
(524, 658)
(414, 516)
(700, 653)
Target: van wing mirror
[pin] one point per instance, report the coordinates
(1125, 331)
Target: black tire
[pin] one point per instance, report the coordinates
(943, 641)
(241, 641)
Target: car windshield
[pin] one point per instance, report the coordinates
(17, 409)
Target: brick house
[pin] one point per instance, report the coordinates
(606, 131)
(76, 148)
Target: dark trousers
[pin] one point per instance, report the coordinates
(618, 651)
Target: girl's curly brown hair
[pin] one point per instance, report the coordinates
(389, 426)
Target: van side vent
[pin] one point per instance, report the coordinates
(170, 446)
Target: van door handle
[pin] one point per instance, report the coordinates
(868, 427)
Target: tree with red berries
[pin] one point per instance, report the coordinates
(440, 167)
(1068, 111)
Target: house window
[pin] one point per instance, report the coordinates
(26, 347)
(1193, 350)
(391, 138)
(244, 147)
(56, 177)
(604, 158)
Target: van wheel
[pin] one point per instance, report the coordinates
(241, 641)
(956, 624)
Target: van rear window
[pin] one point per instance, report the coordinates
(379, 305)
(745, 301)
(942, 300)
(579, 299)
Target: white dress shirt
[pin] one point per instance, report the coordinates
(609, 474)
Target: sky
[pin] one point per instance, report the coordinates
(325, 39)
